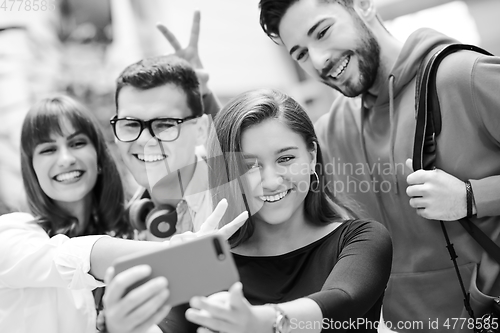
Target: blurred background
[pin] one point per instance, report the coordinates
(80, 46)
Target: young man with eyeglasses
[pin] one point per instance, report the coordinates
(158, 124)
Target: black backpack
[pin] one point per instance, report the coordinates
(428, 127)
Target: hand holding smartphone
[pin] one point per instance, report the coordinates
(199, 267)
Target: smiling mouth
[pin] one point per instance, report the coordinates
(150, 158)
(68, 176)
(274, 198)
(335, 73)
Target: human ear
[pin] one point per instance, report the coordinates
(313, 154)
(365, 9)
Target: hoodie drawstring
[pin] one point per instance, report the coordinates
(393, 128)
(392, 134)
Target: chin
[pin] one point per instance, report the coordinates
(274, 218)
(140, 179)
(70, 197)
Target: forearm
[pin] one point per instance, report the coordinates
(30, 259)
(108, 249)
(305, 315)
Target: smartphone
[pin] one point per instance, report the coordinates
(200, 267)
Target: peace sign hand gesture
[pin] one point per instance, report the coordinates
(211, 226)
(190, 52)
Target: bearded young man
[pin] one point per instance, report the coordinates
(368, 137)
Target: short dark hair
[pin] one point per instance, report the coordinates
(44, 119)
(272, 11)
(157, 71)
(226, 165)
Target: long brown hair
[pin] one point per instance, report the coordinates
(43, 120)
(226, 165)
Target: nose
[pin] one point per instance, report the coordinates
(271, 180)
(319, 58)
(146, 138)
(66, 158)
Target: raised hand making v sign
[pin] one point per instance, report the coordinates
(190, 52)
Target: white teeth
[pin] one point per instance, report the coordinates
(340, 69)
(151, 158)
(68, 175)
(273, 198)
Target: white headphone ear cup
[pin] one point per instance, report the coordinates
(138, 213)
(162, 221)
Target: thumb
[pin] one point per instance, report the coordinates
(236, 298)
(409, 164)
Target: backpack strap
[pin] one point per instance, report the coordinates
(428, 112)
(428, 127)
(482, 239)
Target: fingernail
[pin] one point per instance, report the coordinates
(145, 269)
(188, 314)
(195, 302)
(161, 281)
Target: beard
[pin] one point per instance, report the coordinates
(368, 52)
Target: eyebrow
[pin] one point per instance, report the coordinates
(314, 27)
(282, 150)
(293, 49)
(69, 137)
(279, 151)
(309, 33)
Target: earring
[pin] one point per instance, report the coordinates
(317, 182)
(99, 169)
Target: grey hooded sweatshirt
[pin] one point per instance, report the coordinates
(365, 144)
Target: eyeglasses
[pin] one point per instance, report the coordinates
(164, 129)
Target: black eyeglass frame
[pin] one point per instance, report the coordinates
(147, 124)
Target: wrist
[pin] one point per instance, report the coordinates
(281, 322)
(205, 92)
(266, 318)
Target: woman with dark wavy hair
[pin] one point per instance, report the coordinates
(306, 262)
(74, 189)
(100, 185)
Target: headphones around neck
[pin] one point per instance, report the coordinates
(159, 220)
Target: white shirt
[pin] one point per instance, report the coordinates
(44, 282)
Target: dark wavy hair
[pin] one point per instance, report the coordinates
(161, 70)
(44, 120)
(226, 165)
